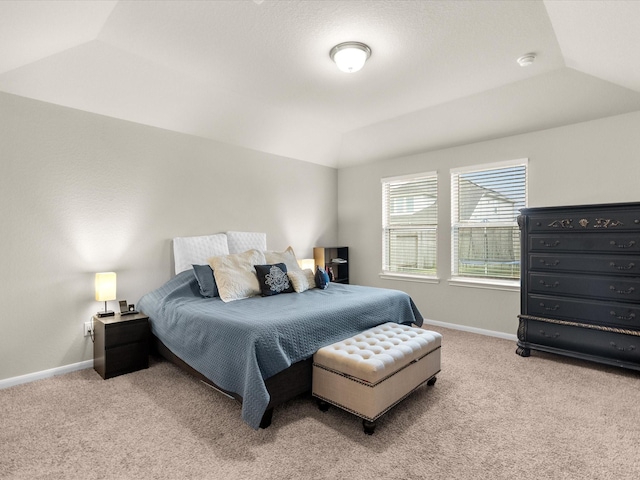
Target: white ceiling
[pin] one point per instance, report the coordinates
(258, 73)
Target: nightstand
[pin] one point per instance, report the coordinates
(121, 344)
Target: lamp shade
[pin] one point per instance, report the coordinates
(350, 56)
(305, 263)
(105, 286)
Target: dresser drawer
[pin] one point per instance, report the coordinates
(603, 243)
(607, 264)
(597, 312)
(594, 220)
(606, 288)
(617, 346)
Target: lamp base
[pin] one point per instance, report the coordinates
(106, 313)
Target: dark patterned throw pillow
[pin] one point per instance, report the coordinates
(273, 279)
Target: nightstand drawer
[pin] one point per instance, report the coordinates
(126, 332)
(125, 359)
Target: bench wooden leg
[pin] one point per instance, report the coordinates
(369, 427)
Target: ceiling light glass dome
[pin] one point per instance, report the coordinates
(350, 56)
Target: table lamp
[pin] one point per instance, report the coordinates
(105, 291)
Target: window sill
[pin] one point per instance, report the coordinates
(507, 285)
(408, 278)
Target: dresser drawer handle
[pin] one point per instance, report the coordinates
(551, 245)
(553, 309)
(630, 348)
(549, 285)
(630, 244)
(555, 263)
(631, 316)
(622, 267)
(555, 335)
(629, 291)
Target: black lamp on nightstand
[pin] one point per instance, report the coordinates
(105, 291)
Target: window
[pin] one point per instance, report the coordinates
(409, 224)
(485, 204)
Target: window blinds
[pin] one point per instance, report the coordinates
(485, 204)
(409, 224)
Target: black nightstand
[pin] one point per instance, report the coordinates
(121, 344)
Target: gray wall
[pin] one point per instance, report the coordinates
(591, 162)
(82, 193)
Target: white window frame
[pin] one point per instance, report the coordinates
(386, 273)
(480, 281)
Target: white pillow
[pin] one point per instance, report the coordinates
(303, 280)
(242, 241)
(235, 276)
(287, 257)
(198, 250)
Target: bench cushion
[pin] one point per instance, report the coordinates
(377, 353)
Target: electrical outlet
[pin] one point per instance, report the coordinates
(88, 330)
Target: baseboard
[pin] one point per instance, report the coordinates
(465, 328)
(32, 377)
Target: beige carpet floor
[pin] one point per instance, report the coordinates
(491, 415)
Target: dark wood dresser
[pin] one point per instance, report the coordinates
(580, 293)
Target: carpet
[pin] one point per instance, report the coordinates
(490, 415)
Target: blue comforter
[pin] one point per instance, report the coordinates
(240, 344)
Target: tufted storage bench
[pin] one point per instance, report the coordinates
(371, 372)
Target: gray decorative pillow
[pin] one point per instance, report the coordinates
(206, 280)
(273, 279)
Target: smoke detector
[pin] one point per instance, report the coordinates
(526, 60)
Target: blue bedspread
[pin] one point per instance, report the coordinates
(240, 344)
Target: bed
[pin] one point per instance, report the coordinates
(258, 349)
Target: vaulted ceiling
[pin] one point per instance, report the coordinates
(257, 73)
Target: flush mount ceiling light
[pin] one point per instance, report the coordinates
(350, 56)
(526, 60)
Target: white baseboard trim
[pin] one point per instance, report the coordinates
(52, 372)
(480, 331)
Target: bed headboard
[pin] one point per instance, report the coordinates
(239, 242)
(197, 250)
